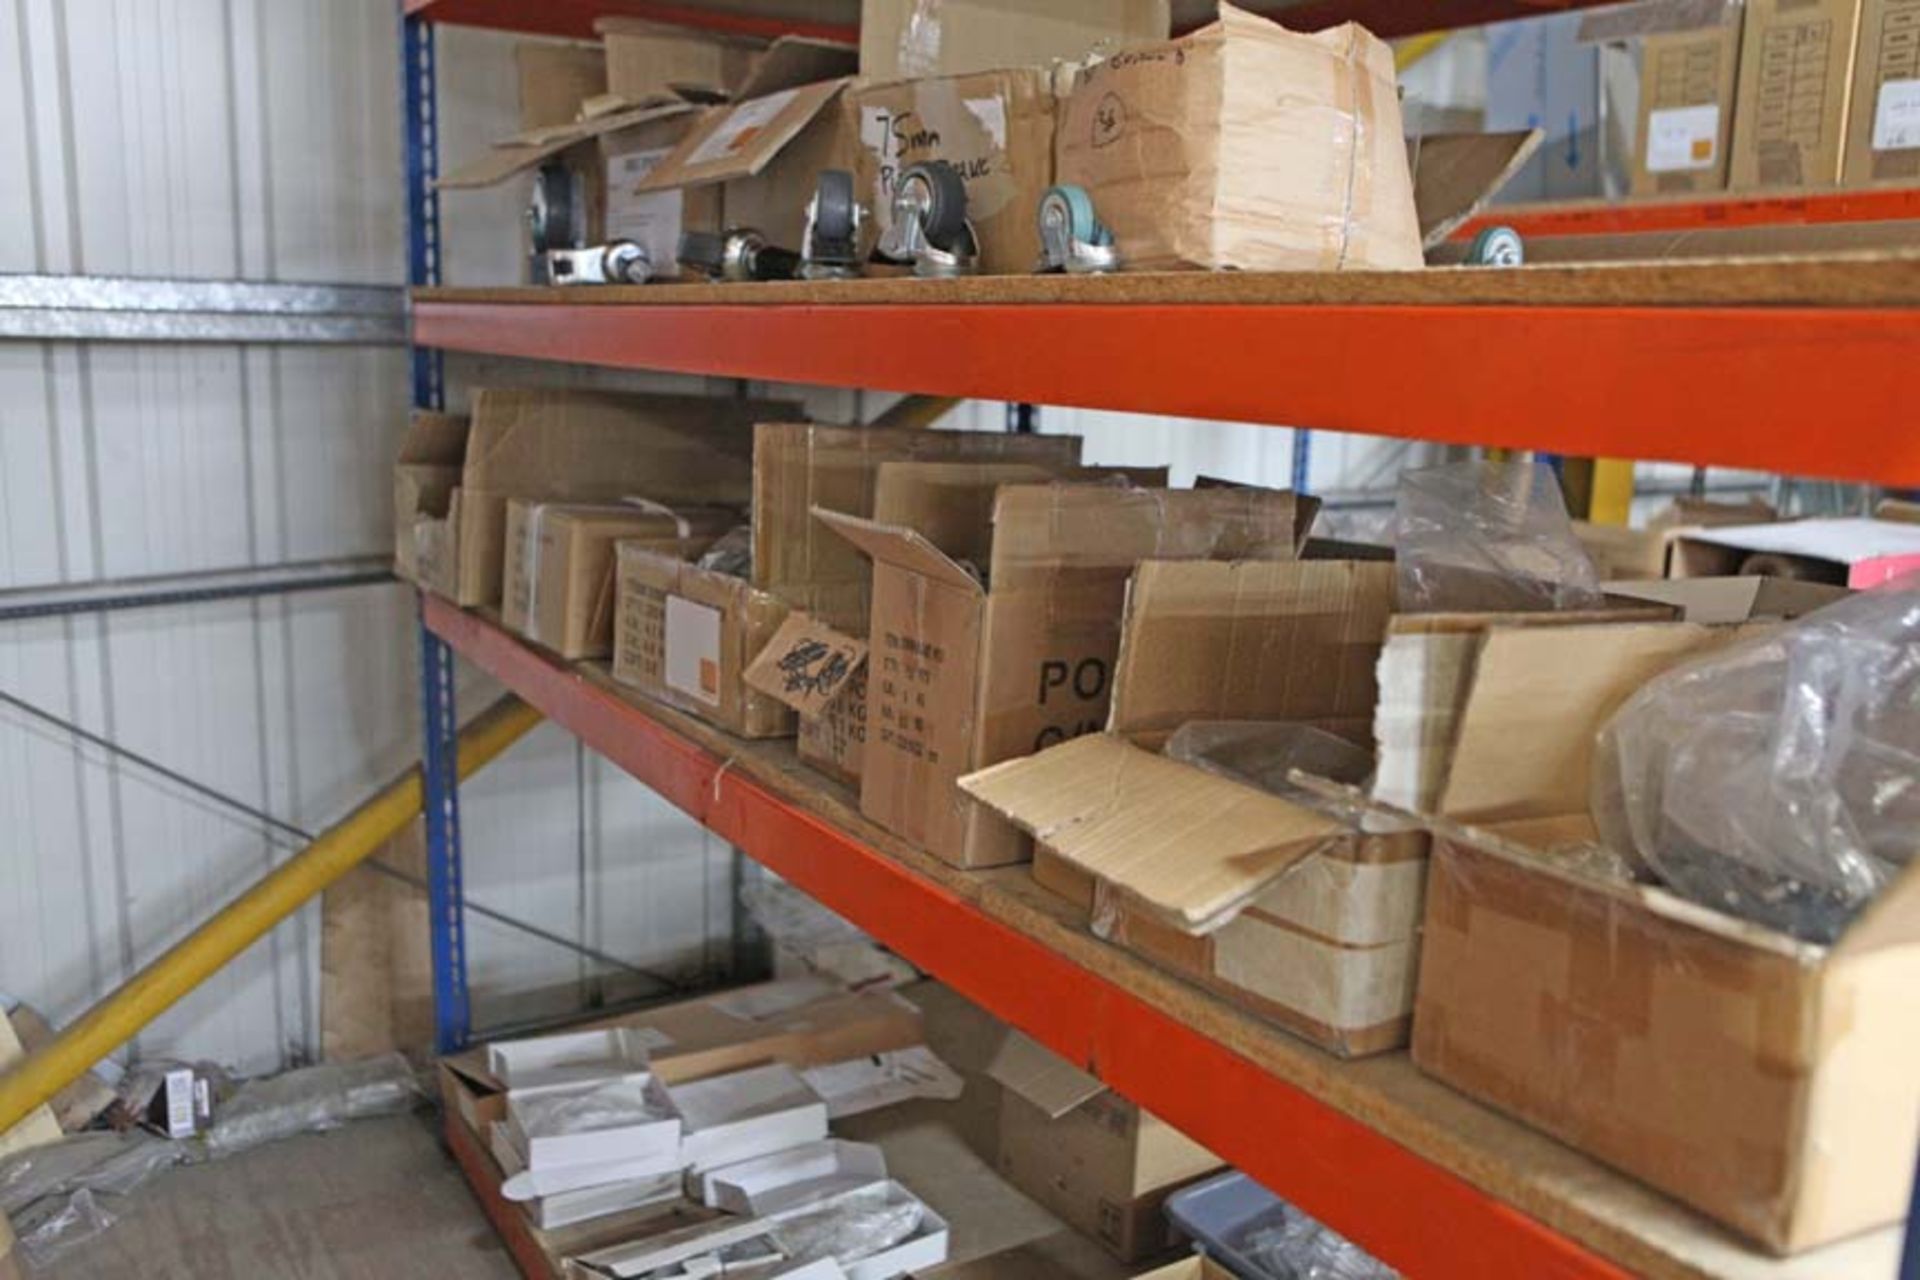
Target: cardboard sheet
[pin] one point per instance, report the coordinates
(1184, 844)
(807, 665)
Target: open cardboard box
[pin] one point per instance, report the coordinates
(745, 1114)
(1100, 1163)
(763, 152)
(782, 1179)
(818, 669)
(425, 476)
(687, 635)
(593, 446)
(963, 675)
(1764, 1081)
(1285, 907)
(692, 1246)
(1855, 552)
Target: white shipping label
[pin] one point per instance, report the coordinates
(651, 219)
(1683, 138)
(693, 649)
(1896, 116)
(742, 125)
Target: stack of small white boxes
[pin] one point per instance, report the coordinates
(590, 1131)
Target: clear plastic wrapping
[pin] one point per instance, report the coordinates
(1264, 754)
(850, 1227)
(1488, 537)
(731, 553)
(311, 1099)
(1776, 778)
(114, 1163)
(1293, 1246)
(60, 1195)
(609, 1105)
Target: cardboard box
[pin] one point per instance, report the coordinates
(1883, 125)
(994, 127)
(557, 588)
(810, 1171)
(542, 1126)
(647, 61)
(802, 1022)
(798, 466)
(1846, 551)
(1191, 164)
(744, 1115)
(1198, 1267)
(962, 675)
(1689, 54)
(905, 38)
(1721, 601)
(1094, 1159)
(1763, 1081)
(556, 80)
(822, 675)
(568, 1058)
(686, 635)
(590, 446)
(1796, 76)
(697, 1250)
(432, 453)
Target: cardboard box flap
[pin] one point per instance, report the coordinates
(792, 61)
(1041, 1076)
(741, 140)
(1039, 529)
(530, 149)
(1456, 174)
(902, 547)
(1189, 846)
(1712, 601)
(949, 503)
(1524, 743)
(434, 439)
(807, 665)
(1306, 507)
(1251, 640)
(1654, 18)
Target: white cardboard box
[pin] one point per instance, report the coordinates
(691, 1247)
(792, 1177)
(624, 1118)
(575, 1057)
(744, 1114)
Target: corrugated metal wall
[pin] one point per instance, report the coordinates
(258, 139)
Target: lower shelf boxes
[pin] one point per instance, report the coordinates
(1099, 1162)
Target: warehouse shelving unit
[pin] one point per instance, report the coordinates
(1699, 362)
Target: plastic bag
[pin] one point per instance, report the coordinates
(1297, 1247)
(115, 1163)
(50, 1227)
(1777, 778)
(1488, 537)
(1264, 753)
(731, 553)
(311, 1099)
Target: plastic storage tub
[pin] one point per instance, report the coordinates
(1223, 1213)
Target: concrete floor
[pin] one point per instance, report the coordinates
(382, 1199)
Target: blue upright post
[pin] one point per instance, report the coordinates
(439, 724)
(1302, 458)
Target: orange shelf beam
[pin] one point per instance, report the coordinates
(1623, 217)
(1818, 392)
(1408, 1211)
